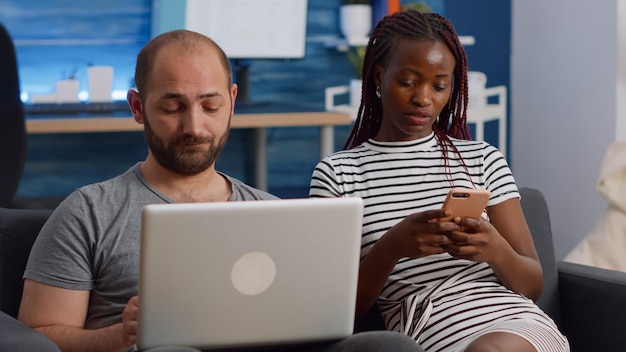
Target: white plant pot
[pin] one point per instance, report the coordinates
(355, 23)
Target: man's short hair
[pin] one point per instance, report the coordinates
(185, 40)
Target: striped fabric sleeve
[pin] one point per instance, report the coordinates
(324, 180)
(498, 176)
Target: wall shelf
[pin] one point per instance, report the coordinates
(341, 44)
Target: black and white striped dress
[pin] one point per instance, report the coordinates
(442, 302)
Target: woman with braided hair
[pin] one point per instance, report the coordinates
(461, 285)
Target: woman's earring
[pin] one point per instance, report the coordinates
(378, 93)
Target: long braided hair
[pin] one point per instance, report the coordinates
(414, 25)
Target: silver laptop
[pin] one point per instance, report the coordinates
(255, 273)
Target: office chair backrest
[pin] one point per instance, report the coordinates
(12, 122)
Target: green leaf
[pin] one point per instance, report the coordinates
(356, 54)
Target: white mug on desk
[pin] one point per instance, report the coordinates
(100, 83)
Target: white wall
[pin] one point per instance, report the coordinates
(564, 106)
(621, 71)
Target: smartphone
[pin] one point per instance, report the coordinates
(465, 202)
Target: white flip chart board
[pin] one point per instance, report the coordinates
(251, 29)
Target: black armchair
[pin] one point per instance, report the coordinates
(588, 303)
(18, 230)
(12, 122)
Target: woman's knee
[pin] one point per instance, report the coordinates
(500, 342)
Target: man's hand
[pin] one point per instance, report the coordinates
(129, 321)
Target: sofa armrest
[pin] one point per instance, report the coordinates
(17, 337)
(593, 307)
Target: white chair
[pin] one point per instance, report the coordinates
(480, 111)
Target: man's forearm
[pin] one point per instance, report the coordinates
(73, 339)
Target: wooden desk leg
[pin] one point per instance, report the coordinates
(327, 140)
(260, 160)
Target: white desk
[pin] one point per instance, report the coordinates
(326, 120)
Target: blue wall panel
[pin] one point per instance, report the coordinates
(55, 39)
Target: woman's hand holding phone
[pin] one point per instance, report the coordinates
(476, 234)
(465, 203)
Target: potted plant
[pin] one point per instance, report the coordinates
(356, 54)
(420, 6)
(355, 18)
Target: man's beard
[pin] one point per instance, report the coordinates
(183, 159)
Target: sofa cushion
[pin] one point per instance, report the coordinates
(18, 230)
(538, 219)
(17, 337)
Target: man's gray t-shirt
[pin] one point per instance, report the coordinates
(91, 241)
